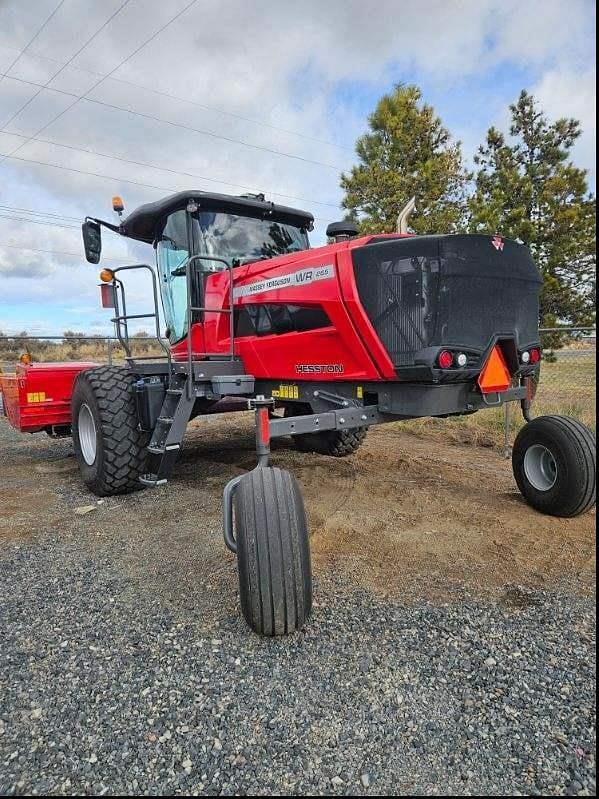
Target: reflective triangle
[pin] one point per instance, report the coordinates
(495, 375)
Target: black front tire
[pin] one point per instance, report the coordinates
(273, 552)
(120, 447)
(555, 465)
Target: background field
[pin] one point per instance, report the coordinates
(567, 385)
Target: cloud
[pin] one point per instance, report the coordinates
(25, 265)
(569, 93)
(299, 68)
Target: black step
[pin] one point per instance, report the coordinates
(160, 449)
(152, 480)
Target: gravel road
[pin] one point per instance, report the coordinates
(118, 676)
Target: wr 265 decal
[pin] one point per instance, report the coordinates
(302, 278)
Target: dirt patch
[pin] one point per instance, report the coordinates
(424, 516)
(28, 501)
(404, 516)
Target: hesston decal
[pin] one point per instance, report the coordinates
(498, 243)
(319, 368)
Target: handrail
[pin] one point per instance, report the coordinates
(191, 308)
(121, 320)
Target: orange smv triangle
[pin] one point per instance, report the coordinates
(495, 376)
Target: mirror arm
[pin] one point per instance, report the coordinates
(114, 228)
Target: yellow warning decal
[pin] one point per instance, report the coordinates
(36, 396)
(286, 391)
(360, 392)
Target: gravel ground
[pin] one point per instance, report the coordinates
(109, 691)
(125, 666)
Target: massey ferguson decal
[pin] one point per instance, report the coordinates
(498, 243)
(319, 368)
(301, 278)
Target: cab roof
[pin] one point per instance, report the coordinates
(142, 224)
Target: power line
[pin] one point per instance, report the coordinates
(179, 172)
(235, 116)
(111, 177)
(101, 80)
(37, 222)
(91, 174)
(204, 107)
(59, 252)
(64, 66)
(38, 213)
(33, 38)
(153, 118)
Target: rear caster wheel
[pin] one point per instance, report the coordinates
(554, 462)
(273, 552)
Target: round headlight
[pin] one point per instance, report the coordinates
(526, 357)
(462, 359)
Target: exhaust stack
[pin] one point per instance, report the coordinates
(404, 215)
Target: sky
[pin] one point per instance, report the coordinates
(142, 98)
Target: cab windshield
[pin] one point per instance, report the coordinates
(235, 239)
(244, 238)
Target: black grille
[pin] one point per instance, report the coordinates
(272, 319)
(447, 291)
(398, 287)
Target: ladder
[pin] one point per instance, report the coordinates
(167, 437)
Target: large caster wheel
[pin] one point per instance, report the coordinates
(273, 552)
(554, 462)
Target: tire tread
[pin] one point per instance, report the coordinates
(574, 498)
(336, 443)
(273, 552)
(124, 447)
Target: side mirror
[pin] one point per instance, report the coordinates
(92, 241)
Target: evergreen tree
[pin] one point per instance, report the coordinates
(407, 152)
(527, 188)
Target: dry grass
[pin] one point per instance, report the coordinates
(96, 351)
(567, 387)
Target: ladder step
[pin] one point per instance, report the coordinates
(152, 480)
(165, 419)
(177, 391)
(160, 449)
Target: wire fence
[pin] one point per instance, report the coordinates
(567, 384)
(97, 349)
(569, 373)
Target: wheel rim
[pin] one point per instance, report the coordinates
(87, 434)
(540, 467)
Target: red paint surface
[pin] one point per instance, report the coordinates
(55, 380)
(349, 342)
(264, 426)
